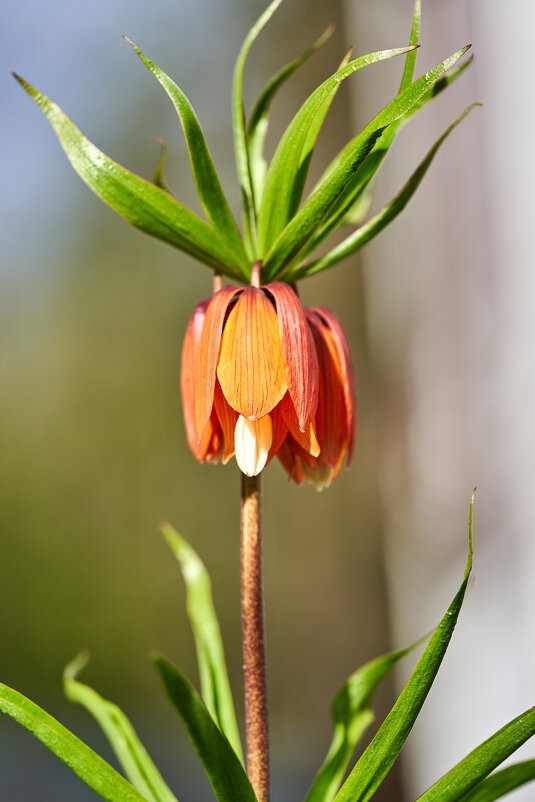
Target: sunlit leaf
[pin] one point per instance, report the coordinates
(286, 175)
(89, 766)
(130, 752)
(352, 713)
(365, 233)
(240, 135)
(502, 782)
(215, 686)
(221, 764)
(380, 754)
(206, 179)
(140, 202)
(482, 760)
(258, 122)
(303, 225)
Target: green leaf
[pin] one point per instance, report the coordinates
(240, 136)
(215, 686)
(286, 175)
(258, 123)
(352, 714)
(502, 782)
(365, 233)
(141, 203)
(379, 756)
(89, 766)
(130, 752)
(206, 179)
(482, 760)
(414, 39)
(223, 767)
(306, 221)
(158, 177)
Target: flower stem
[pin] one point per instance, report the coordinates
(253, 638)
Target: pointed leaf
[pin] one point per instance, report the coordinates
(130, 752)
(482, 760)
(379, 756)
(223, 767)
(258, 123)
(141, 203)
(502, 782)
(369, 230)
(215, 686)
(414, 39)
(287, 172)
(240, 136)
(302, 226)
(206, 179)
(89, 766)
(352, 713)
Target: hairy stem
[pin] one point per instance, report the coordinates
(253, 638)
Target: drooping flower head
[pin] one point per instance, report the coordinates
(261, 376)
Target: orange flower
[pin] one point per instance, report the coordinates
(262, 376)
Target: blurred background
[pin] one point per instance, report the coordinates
(439, 312)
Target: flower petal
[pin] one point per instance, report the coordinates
(298, 352)
(344, 357)
(307, 439)
(227, 418)
(253, 441)
(208, 351)
(280, 430)
(250, 368)
(332, 416)
(291, 463)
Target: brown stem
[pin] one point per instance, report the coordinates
(253, 638)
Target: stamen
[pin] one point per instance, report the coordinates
(252, 441)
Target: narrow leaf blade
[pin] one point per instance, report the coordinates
(223, 767)
(206, 179)
(141, 203)
(502, 782)
(89, 766)
(379, 756)
(287, 172)
(240, 136)
(352, 714)
(258, 123)
(482, 760)
(130, 752)
(302, 226)
(215, 686)
(369, 230)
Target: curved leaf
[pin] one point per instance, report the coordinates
(258, 123)
(369, 230)
(352, 714)
(206, 179)
(286, 175)
(223, 767)
(130, 752)
(240, 136)
(379, 756)
(502, 782)
(215, 686)
(303, 225)
(141, 203)
(89, 766)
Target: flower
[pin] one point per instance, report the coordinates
(261, 376)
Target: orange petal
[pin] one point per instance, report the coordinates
(279, 432)
(227, 418)
(306, 439)
(333, 416)
(250, 367)
(291, 463)
(208, 351)
(298, 352)
(346, 366)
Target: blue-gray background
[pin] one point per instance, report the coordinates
(93, 450)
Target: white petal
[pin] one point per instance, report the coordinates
(252, 441)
